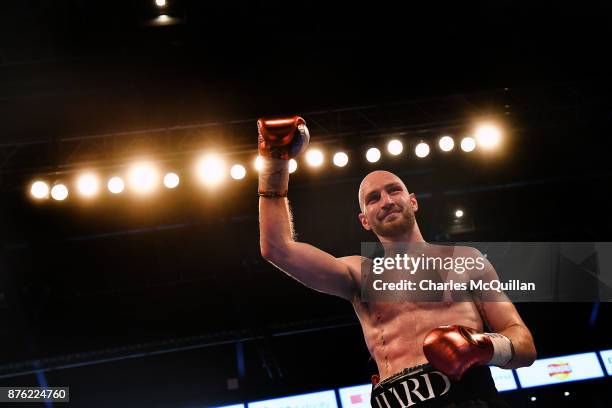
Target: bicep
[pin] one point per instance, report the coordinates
(316, 269)
(495, 307)
(499, 315)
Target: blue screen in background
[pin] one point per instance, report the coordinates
(606, 357)
(504, 379)
(357, 396)
(562, 369)
(323, 399)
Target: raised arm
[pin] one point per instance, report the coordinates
(279, 140)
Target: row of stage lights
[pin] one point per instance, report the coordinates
(143, 178)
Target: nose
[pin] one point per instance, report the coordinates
(386, 199)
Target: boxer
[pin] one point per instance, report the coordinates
(427, 353)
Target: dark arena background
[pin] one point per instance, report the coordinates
(162, 299)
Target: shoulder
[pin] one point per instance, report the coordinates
(462, 250)
(355, 264)
(355, 261)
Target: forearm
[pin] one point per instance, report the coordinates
(524, 348)
(275, 224)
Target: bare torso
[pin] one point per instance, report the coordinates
(394, 331)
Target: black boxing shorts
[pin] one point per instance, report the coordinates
(424, 387)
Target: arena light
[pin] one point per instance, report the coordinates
(488, 136)
(171, 180)
(238, 172)
(314, 157)
(458, 213)
(422, 150)
(373, 155)
(143, 178)
(258, 164)
(59, 192)
(115, 185)
(211, 170)
(87, 185)
(340, 159)
(39, 190)
(446, 143)
(468, 144)
(395, 147)
(292, 166)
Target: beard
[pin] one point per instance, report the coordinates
(404, 222)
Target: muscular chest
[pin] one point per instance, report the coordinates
(416, 316)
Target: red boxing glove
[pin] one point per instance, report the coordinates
(454, 349)
(282, 138)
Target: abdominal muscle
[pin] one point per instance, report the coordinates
(394, 331)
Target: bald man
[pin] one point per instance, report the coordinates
(427, 353)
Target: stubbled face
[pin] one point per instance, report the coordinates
(387, 206)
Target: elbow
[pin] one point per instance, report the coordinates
(266, 251)
(528, 355)
(272, 251)
(532, 355)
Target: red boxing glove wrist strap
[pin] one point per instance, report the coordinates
(272, 194)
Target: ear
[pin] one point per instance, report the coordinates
(364, 221)
(414, 203)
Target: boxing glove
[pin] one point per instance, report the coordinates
(283, 138)
(454, 349)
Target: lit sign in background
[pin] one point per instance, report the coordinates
(355, 397)
(562, 369)
(323, 399)
(232, 406)
(504, 379)
(606, 357)
(547, 371)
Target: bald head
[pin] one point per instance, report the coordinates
(373, 180)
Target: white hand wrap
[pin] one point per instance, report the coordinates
(273, 177)
(503, 350)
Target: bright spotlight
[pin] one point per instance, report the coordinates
(160, 3)
(395, 147)
(468, 144)
(211, 169)
(115, 185)
(566, 393)
(39, 190)
(314, 157)
(238, 172)
(422, 150)
(143, 177)
(59, 192)
(259, 162)
(533, 398)
(459, 213)
(171, 180)
(292, 166)
(488, 136)
(87, 184)
(340, 159)
(373, 155)
(446, 143)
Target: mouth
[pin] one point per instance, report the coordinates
(390, 214)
